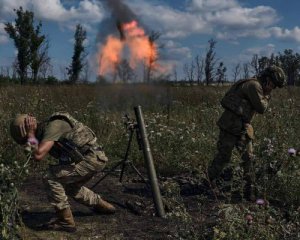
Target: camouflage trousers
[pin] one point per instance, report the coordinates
(67, 180)
(225, 146)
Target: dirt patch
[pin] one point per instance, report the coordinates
(135, 217)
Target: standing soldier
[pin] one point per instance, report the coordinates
(80, 158)
(244, 99)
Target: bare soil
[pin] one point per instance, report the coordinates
(135, 217)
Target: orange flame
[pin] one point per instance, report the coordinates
(110, 55)
(141, 49)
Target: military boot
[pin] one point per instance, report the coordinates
(63, 222)
(104, 207)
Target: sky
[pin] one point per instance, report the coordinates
(241, 28)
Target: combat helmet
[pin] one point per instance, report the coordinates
(276, 75)
(17, 128)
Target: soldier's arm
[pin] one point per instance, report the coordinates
(39, 150)
(53, 132)
(42, 150)
(257, 98)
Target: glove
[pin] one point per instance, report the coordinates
(33, 141)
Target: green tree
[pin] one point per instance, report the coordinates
(210, 61)
(29, 42)
(255, 64)
(263, 62)
(290, 62)
(21, 33)
(79, 54)
(221, 73)
(150, 62)
(39, 53)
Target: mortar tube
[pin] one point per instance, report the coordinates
(149, 163)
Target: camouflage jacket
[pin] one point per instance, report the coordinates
(241, 102)
(73, 145)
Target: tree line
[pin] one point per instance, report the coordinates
(208, 69)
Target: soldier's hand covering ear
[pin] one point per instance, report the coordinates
(30, 124)
(22, 128)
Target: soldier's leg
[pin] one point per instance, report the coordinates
(54, 187)
(83, 194)
(89, 198)
(58, 199)
(62, 178)
(56, 194)
(245, 148)
(225, 146)
(70, 181)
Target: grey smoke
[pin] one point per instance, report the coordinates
(118, 12)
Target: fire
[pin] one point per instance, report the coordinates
(133, 30)
(110, 55)
(140, 49)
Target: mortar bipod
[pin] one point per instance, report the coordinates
(132, 128)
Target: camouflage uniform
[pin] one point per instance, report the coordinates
(68, 177)
(241, 102)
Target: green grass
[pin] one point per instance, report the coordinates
(181, 128)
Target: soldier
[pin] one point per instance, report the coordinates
(244, 99)
(80, 158)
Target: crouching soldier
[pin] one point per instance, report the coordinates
(244, 99)
(80, 158)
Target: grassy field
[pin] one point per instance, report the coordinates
(182, 134)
